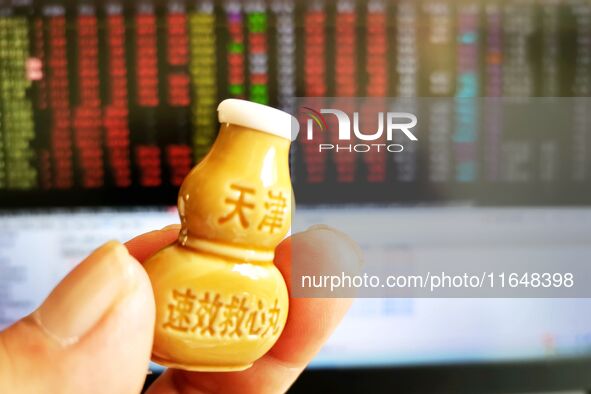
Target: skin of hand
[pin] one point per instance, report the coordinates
(94, 332)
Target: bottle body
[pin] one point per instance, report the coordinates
(220, 301)
(213, 314)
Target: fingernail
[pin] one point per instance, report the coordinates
(354, 245)
(87, 293)
(171, 227)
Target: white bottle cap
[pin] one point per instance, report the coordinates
(258, 117)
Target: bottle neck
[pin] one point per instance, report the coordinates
(226, 250)
(233, 181)
(257, 143)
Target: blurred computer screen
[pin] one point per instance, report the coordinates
(106, 105)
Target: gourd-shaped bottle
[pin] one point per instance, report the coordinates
(220, 301)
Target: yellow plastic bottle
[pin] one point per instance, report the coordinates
(220, 301)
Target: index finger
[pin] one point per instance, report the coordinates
(145, 245)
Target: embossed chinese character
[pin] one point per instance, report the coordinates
(207, 313)
(257, 319)
(179, 312)
(234, 314)
(275, 211)
(273, 316)
(239, 205)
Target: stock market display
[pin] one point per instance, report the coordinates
(113, 102)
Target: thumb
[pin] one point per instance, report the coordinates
(93, 334)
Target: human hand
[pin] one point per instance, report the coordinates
(93, 334)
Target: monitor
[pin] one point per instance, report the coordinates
(106, 105)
